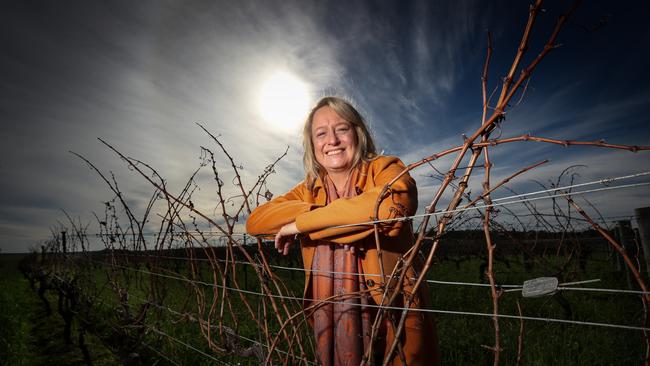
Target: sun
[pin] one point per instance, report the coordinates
(284, 101)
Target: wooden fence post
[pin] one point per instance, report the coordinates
(624, 234)
(64, 242)
(642, 215)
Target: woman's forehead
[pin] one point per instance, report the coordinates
(326, 116)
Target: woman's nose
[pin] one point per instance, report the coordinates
(332, 139)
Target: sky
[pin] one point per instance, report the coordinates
(141, 75)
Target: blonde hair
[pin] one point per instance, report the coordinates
(365, 149)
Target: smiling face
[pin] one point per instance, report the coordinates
(334, 140)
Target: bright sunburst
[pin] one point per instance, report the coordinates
(284, 101)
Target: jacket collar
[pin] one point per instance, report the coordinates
(361, 180)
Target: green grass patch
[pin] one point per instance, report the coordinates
(31, 338)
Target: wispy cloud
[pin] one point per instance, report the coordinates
(140, 77)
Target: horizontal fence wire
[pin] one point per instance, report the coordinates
(482, 206)
(436, 311)
(166, 357)
(118, 331)
(510, 200)
(604, 181)
(509, 288)
(160, 353)
(187, 345)
(175, 312)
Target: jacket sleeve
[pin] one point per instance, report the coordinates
(271, 216)
(400, 201)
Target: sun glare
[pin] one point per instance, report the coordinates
(284, 101)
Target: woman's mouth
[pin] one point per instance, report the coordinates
(334, 152)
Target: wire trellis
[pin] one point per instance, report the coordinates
(219, 301)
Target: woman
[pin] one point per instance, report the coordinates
(344, 177)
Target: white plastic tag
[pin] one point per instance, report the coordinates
(539, 287)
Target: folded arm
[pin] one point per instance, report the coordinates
(399, 201)
(270, 217)
(318, 221)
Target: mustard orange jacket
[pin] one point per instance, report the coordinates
(307, 208)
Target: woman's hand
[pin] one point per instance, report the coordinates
(285, 237)
(350, 248)
(287, 234)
